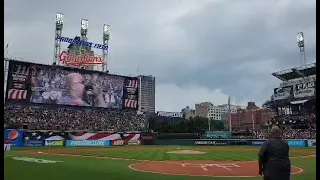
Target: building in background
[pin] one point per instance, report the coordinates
(202, 109)
(147, 93)
(188, 113)
(252, 117)
(220, 112)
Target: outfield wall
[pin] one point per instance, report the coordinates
(20, 138)
(234, 142)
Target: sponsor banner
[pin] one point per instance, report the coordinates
(311, 143)
(32, 143)
(130, 93)
(53, 143)
(117, 142)
(18, 83)
(209, 142)
(257, 143)
(296, 143)
(79, 42)
(15, 136)
(87, 143)
(134, 142)
(6, 147)
(305, 89)
(169, 114)
(282, 93)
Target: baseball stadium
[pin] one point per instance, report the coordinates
(74, 120)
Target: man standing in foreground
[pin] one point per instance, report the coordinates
(274, 162)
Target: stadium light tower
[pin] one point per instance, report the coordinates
(105, 40)
(58, 33)
(84, 32)
(300, 41)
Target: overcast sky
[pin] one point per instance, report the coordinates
(198, 50)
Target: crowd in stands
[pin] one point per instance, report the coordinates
(73, 118)
(289, 133)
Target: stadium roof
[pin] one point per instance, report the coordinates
(297, 72)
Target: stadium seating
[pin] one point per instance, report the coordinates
(73, 118)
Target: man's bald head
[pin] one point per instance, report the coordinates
(275, 131)
(75, 84)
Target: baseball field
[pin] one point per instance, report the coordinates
(147, 162)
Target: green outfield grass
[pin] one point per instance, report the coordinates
(91, 167)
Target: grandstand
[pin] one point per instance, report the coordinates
(294, 100)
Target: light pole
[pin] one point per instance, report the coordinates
(301, 45)
(84, 32)
(58, 33)
(105, 40)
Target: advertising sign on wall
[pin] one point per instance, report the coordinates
(281, 93)
(296, 143)
(53, 143)
(209, 142)
(32, 143)
(15, 136)
(257, 143)
(305, 89)
(87, 143)
(117, 142)
(134, 142)
(312, 143)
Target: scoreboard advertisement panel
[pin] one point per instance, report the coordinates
(43, 84)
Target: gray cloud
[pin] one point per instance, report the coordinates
(198, 50)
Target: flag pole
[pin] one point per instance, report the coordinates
(229, 114)
(252, 119)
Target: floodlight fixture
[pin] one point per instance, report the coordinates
(300, 39)
(59, 18)
(84, 24)
(106, 29)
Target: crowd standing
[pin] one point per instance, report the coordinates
(74, 118)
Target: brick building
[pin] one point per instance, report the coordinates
(252, 117)
(202, 109)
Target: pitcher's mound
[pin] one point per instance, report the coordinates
(186, 152)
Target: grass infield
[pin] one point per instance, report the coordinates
(112, 163)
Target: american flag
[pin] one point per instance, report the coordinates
(103, 136)
(132, 83)
(130, 103)
(17, 94)
(20, 69)
(40, 136)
